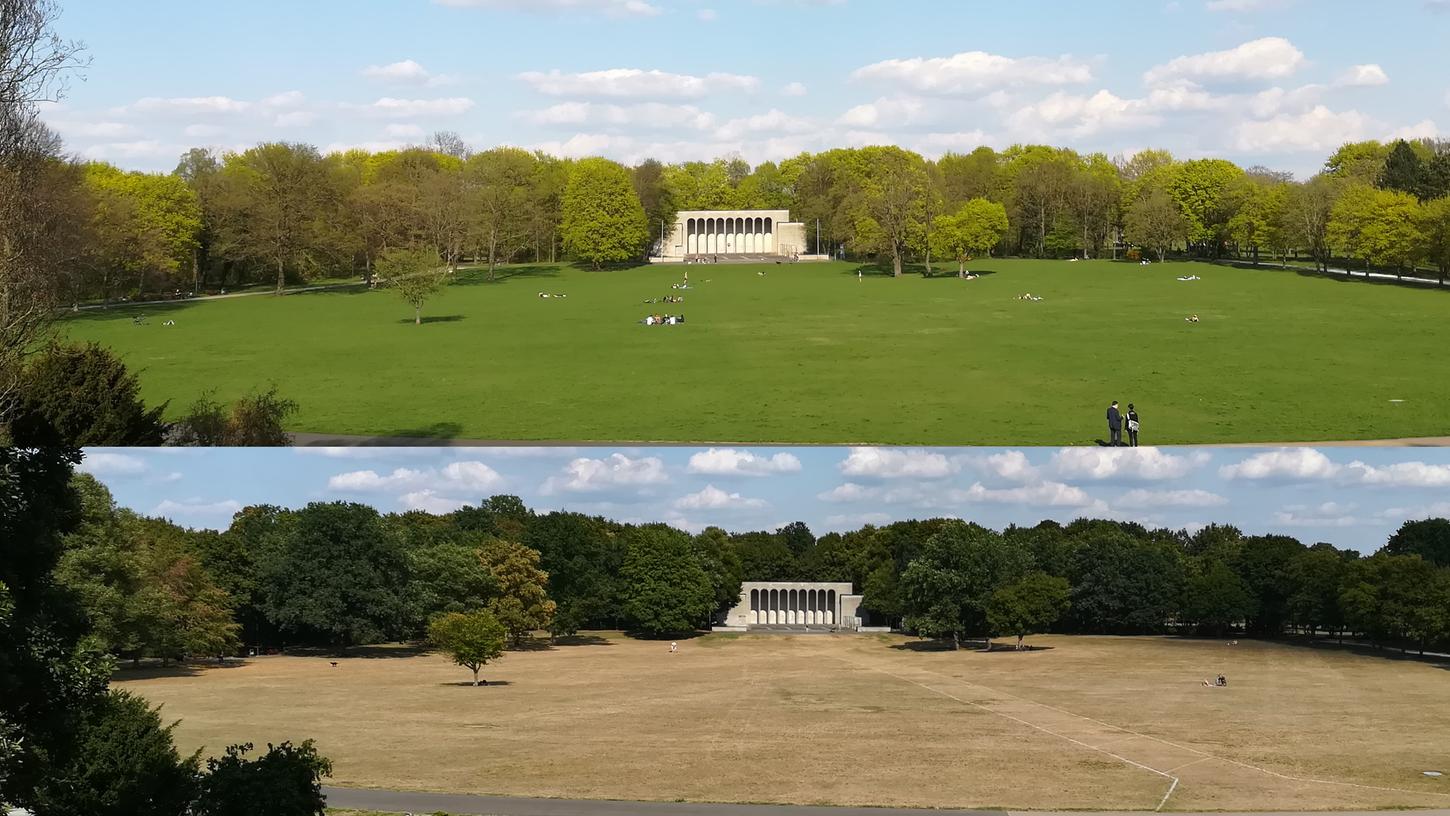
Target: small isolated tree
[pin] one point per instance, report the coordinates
(285, 781)
(415, 274)
(1156, 222)
(1028, 606)
(977, 227)
(471, 639)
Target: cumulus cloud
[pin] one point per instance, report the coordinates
(793, 89)
(1319, 129)
(896, 463)
(1042, 494)
(974, 72)
(394, 108)
(429, 501)
(405, 72)
(1080, 116)
(1266, 58)
(190, 105)
(102, 465)
(1135, 464)
(713, 498)
(1328, 514)
(1285, 463)
(1145, 499)
(194, 508)
(644, 115)
(586, 475)
(849, 492)
(635, 82)
(1363, 76)
(731, 462)
(849, 521)
(612, 8)
(467, 476)
(1011, 465)
(772, 121)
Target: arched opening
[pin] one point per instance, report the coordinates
(831, 607)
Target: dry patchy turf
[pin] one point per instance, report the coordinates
(1090, 723)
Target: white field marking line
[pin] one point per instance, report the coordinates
(1204, 754)
(1021, 721)
(1186, 764)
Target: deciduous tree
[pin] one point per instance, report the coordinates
(603, 219)
(471, 639)
(1028, 605)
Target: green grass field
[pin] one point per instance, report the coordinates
(807, 354)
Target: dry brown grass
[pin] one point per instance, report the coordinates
(1091, 723)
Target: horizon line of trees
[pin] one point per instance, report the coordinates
(338, 575)
(281, 212)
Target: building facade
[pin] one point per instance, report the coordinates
(808, 604)
(733, 233)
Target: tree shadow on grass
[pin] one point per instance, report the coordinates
(190, 669)
(479, 276)
(435, 319)
(481, 685)
(1364, 650)
(923, 646)
(375, 652)
(582, 640)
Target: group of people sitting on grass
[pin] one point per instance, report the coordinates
(546, 295)
(1193, 318)
(1029, 296)
(664, 320)
(667, 299)
(1219, 682)
(1189, 277)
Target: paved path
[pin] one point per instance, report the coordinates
(316, 440)
(469, 805)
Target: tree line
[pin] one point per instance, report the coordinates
(284, 212)
(339, 575)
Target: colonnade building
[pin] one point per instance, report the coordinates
(734, 234)
(795, 604)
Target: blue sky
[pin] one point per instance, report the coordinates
(1350, 497)
(1277, 82)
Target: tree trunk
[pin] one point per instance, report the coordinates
(896, 263)
(475, 678)
(956, 642)
(1020, 638)
(417, 315)
(281, 277)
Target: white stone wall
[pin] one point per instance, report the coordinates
(792, 238)
(725, 232)
(796, 603)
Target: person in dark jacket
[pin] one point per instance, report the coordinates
(1115, 425)
(1132, 426)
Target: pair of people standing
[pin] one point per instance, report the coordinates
(1117, 421)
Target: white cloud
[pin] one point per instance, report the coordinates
(287, 99)
(1399, 474)
(1363, 76)
(713, 498)
(406, 72)
(975, 72)
(897, 111)
(294, 119)
(896, 463)
(141, 149)
(794, 89)
(430, 502)
(407, 108)
(101, 464)
(1266, 58)
(1299, 464)
(585, 475)
(197, 507)
(466, 476)
(188, 105)
(612, 8)
(731, 462)
(1042, 494)
(634, 82)
(849, 492)
(772, 121)
(1145, 499)
(1424, 511)
(1011, 465)
(1137, 464)
(1317, 130)
(1080, 116)
(644, 115)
